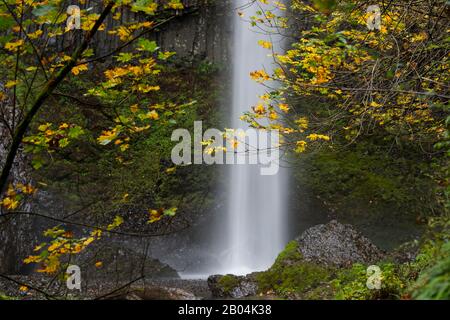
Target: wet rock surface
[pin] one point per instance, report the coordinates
(337, 244)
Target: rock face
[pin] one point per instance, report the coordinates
(16, 232)
(230, 286)
(197, 32)
(336, 244)
(120, 264)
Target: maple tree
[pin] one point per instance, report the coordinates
(32, 72)
(390, 81)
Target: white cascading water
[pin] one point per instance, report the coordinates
(255, 217)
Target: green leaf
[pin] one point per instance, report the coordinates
(63, 142)
(6, 23)
(325, 6)
(147, 45)
(170, 212)
(147, 6)
(124, 57)
(37, 163)
(75, 132)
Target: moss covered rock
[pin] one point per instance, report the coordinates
(231, 286)
(291, 275)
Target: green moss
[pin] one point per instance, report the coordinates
(290, 274)
(5, 297)
(351, 284)
(228, 282)
(290, 253)
(365, 179)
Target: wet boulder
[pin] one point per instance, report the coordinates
(336, 244)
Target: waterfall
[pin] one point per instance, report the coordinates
(255, 215)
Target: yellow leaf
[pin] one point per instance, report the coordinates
(176, 5)
(265, 44)
(77, 249)
(26, 189)
(134, 108)
(44, 127)
(23, 288)
(9, 203)
(259, 109)
(77, 69)
(107, 136)
(283, 107)
(234, 143)
(301, 146)
(155, 215)
(171, 170)
(118, 220)
(98, 264)
(259, 75)
(315, 136)
(31, 259)
(11, 84)
(124, 147)
(54, 246)
(96, 233)
(36, 34)
(375, 104)
(273, 115)
(13, 46)
(88, 241)
(153, 115)
(302, 123)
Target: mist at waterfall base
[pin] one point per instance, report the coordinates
(251, 229)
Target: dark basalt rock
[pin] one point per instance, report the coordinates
(336, 244)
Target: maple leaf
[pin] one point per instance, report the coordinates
(265, 44)
(77, 69)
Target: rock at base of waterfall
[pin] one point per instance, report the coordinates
(337, 244)
(156, 293)
(231, 286)
(406, 252)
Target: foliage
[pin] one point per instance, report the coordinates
(371, 82)
(434, 282)
(31, 70)
(350, 284)
(63, 245)
(432, 264)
